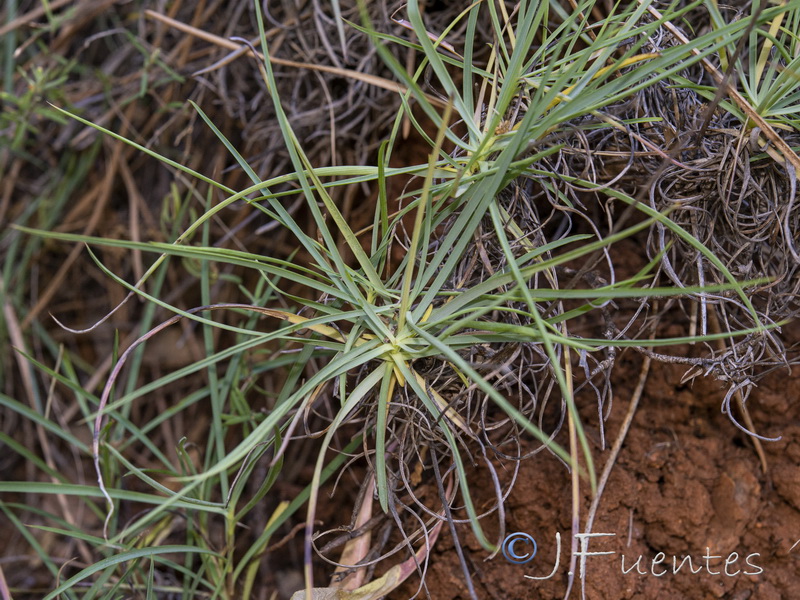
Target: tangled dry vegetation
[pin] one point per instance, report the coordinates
(682, 146)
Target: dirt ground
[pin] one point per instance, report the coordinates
(687, 483)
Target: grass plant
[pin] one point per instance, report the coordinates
(433, 349)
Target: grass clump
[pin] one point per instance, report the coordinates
(431, 350)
